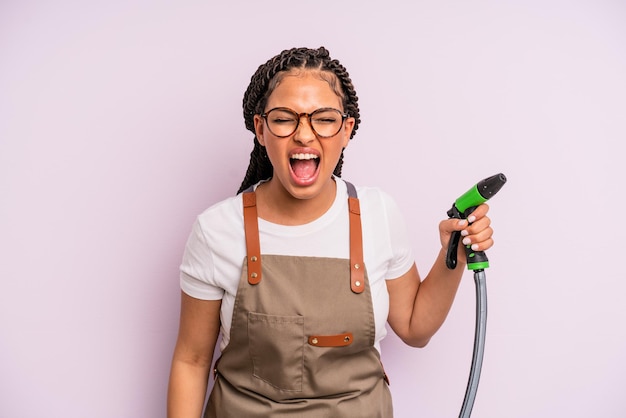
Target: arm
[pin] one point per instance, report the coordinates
(417, 309)
(193, 355)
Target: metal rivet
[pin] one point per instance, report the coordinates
(253, 275)
(346, 338)
(357, 283)
(314, 341)
(357, 266)
(253, 258)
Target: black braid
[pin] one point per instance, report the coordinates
(264, 81)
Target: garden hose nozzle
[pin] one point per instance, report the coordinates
(461, 209)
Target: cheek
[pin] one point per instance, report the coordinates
(273, 150)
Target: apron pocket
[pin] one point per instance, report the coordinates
(277, 349)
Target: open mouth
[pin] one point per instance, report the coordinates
(304, 165)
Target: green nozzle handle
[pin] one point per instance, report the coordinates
(461, 209)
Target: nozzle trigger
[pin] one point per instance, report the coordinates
(451, 253)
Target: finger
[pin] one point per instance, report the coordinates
(482, 246)
(482, 240)
(457, 224)
(479, 212)
(448, 226)
(477, 226)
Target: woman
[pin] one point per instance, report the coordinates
(300, 271)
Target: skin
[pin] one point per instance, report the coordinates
(193, 354)
(417, 308)
(283, 199)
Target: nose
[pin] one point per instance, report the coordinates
(304, 132)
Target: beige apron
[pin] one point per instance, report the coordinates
(302, 336)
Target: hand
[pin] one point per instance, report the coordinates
(475, 231)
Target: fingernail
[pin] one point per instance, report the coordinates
(464, 233)
(471, 218)
(467, 241)
(474, 247)
(462, 222)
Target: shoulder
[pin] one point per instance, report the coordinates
(378, 208)
(374, 199)
(222, 215)
(373, 194)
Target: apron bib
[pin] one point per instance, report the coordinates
(302, 336)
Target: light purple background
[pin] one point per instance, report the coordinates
(121, 120)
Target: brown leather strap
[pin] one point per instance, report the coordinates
(340, 340)
(253, 247)
(357, 271)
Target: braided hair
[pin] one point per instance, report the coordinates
(265, 80)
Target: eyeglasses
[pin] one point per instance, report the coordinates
(325, 122)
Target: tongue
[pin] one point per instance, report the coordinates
(304, 168)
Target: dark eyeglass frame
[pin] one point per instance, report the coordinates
(298, 116)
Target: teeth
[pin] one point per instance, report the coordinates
(303, 156)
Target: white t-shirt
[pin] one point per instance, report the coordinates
(216, 248)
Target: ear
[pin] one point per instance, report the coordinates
(259, 129)
(348, 127)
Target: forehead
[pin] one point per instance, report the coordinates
(305, 91)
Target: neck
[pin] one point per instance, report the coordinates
(277, 205)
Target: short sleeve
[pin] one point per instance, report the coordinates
(402, 253)
(197, 267)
